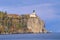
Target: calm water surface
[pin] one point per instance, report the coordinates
(47, 36)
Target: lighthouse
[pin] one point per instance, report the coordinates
(33, 14)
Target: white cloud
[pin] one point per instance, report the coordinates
(45, 11)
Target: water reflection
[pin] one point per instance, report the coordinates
(48, 36)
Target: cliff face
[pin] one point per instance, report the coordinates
(28, 23)
(35, 24)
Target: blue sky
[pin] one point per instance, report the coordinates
(47, 10)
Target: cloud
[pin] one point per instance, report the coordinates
(43, 10)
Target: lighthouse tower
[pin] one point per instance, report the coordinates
(33, 14)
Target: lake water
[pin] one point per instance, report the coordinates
(48, 36)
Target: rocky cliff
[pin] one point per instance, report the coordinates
(35, 24)
(27, 23)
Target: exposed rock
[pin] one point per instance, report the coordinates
(35, 25)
